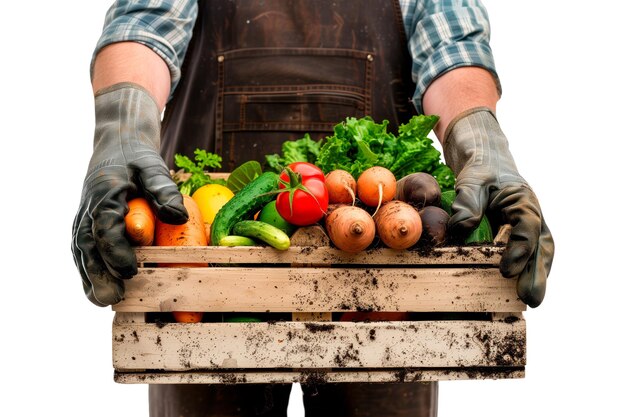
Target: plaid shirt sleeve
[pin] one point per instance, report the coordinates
(444, 35)
(165, 26)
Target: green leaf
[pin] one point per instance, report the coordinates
(447, 198)
(242, 175)
(418, 126)
(444, 176)
(482, 234)
(415, 160)
(300, 150)
(334, 154)
(274, 162)
(198, 176)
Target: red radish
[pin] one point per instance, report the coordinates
(350, 228)
(398, 224)
(375, 186)
(341, 187)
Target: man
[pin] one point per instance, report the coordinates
(255, 74)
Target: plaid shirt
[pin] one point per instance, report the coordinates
(442, 35)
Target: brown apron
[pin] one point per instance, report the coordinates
(258, 73)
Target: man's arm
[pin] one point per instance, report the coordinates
(487, 178)
(459, 90)
(132, 62)
(135, 66)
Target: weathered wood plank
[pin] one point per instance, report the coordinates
(320, 290)
(317, 376)
(126, 318)
(461, 255)
(313, 236)
(415, 344)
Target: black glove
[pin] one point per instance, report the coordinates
(125, 162)
(488, 183)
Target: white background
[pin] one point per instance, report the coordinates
(562, 110)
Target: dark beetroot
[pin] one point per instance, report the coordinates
(434, 225)
(419, 189)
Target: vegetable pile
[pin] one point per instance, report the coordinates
(366, 186)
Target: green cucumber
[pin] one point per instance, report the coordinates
(269, 234)
(237, 241)
(250, 199)
(481, 234)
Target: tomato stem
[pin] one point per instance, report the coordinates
(294, 184)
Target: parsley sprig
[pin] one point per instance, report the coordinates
(195, 171)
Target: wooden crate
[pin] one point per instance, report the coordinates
(466, 320)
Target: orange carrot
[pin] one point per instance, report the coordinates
(375, 186)
(140, 222)
(192, 233)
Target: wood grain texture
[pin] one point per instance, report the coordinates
(418, 344)
(460, 256)
(319, 290)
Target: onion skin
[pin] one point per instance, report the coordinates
(350, 228)
(398, 224)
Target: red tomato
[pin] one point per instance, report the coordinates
(307, 208)
(306, 169)
(305, 197)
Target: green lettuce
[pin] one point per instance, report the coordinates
(361, 143)
(301, 150)
(358, 144)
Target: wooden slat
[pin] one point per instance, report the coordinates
(313, 236)
(462, 255)
(318, 376)
(416, 344)
(129, 318)
(320, 290)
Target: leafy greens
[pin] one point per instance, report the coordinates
(358, 144)
(301, 150)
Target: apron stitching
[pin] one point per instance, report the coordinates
(219, 111)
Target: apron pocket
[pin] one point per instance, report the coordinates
(269, 95)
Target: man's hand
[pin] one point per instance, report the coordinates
(125, 162)
(488, 182)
